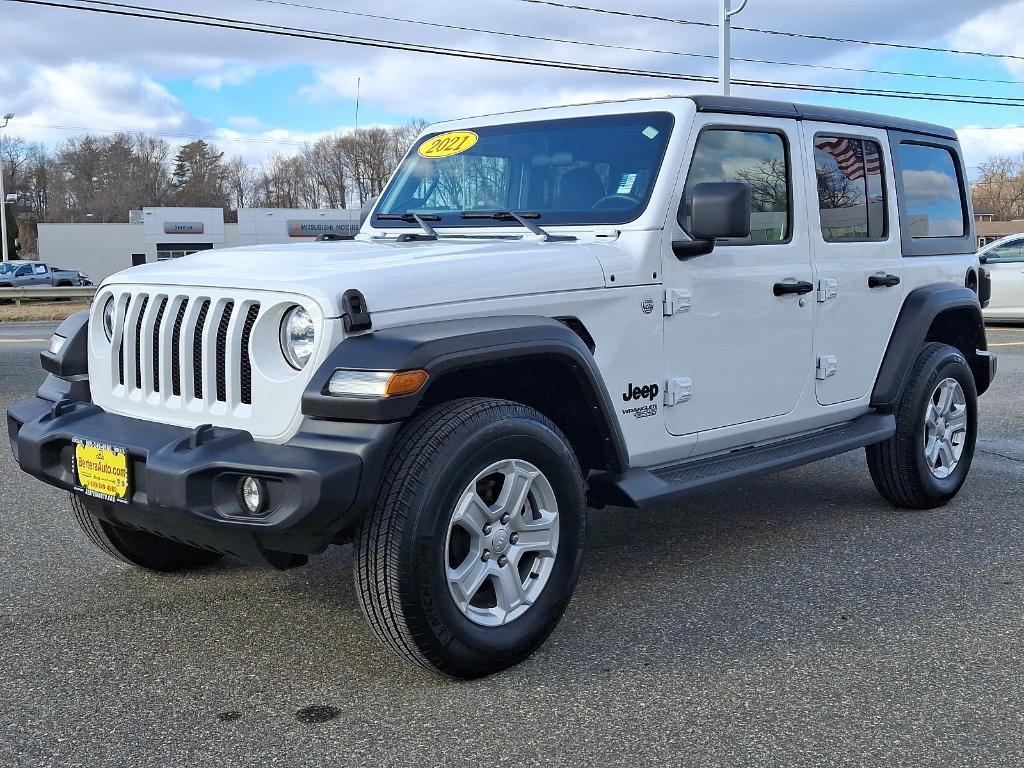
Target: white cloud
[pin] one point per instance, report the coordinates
(979, 144)
(246, 123)
(997, 29)
(237, 75)
(75, 68)
(54, 102)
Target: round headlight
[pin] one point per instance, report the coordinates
(297, 337)
(108, 318)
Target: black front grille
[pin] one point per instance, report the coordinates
(138, 342)
(156, 344)
(245, 367)
(222, 343)
(176, 349)
(197, 349)
(120, 348)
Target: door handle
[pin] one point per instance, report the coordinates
(883, 281)
(801, 287)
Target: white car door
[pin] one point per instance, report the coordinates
(740, 334)
(858, 259)
(1006, 264)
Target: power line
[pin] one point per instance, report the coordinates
(631, 48)
(782, 33)
(217, 22)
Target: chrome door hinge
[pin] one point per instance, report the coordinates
(828, 288)
(677, 301)
(828, 366)
(678, 391)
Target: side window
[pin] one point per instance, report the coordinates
(760, 159)
(39, 269)
(932, 199)
(851, 192)
(1011, 252)
(25, 271)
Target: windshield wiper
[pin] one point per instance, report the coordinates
(523, 217)
(413, 218)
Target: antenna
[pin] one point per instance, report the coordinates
(358, 80)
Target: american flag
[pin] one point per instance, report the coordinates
(849, 156)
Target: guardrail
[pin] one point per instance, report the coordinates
(18, 295)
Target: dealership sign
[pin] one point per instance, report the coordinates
(183, 227)
(313, 228)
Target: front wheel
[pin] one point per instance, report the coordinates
(926, 462)
(474, 547)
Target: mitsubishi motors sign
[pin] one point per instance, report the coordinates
(315, 227)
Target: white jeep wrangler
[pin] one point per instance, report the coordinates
(614, 304)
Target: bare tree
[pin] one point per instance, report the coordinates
(999, 189)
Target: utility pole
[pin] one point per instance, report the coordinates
(3, 197)
(724, 29)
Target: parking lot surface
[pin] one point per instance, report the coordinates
(791, 620)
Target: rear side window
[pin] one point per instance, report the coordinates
(760, 159)
(933, 203)
(851, 192)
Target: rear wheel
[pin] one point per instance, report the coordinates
(926, 462)
(474, 547)
(139, 548)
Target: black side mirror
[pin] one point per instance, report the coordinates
(983, 259)
(717, 209)
(365, 210)
(720, 209)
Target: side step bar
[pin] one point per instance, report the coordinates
(639, 487)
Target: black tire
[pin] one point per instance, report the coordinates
(898, 466)
(140, 548)
(400, 550)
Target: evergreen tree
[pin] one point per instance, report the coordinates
(199, 176)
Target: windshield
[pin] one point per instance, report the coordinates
(7, 268)
(589, 170)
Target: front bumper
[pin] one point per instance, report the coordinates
(184, 482)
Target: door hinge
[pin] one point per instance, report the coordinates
(677, 301)
(828, 366)
(828, 288)
(678, 391)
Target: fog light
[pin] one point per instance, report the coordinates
(254, 495)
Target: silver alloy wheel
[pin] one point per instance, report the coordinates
(502, 541)
(945, 428)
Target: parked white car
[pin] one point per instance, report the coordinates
(1004, 259)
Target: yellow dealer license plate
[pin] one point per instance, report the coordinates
(102, 470)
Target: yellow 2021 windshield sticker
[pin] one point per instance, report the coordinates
(448, 144)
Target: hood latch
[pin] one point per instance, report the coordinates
(356, 316)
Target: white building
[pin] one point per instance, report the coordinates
(158, 234)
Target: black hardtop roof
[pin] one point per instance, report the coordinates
(735, 105)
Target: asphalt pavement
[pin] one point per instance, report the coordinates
(794, 620)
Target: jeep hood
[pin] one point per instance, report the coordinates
(389, 274)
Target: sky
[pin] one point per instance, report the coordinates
(63, 72)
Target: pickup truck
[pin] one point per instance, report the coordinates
(30, 274)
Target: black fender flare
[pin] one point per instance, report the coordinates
(440, 347)
(921, 308)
